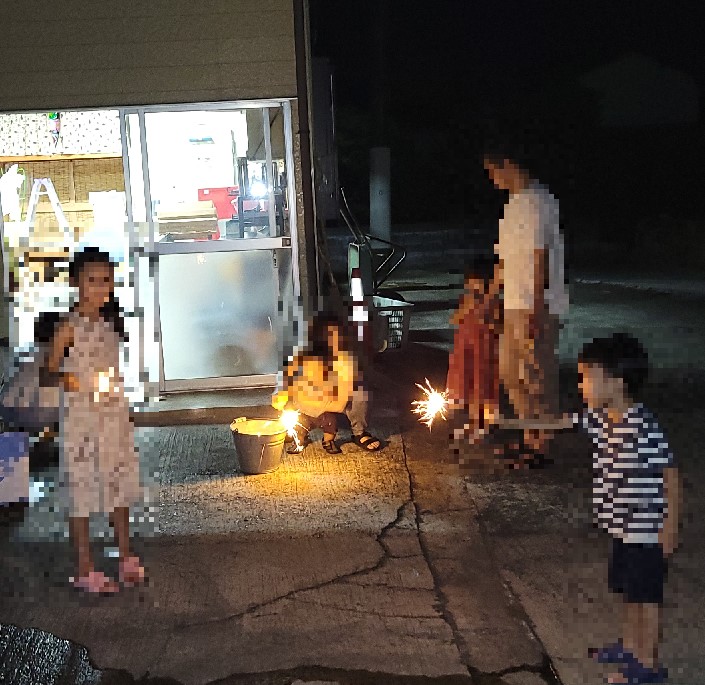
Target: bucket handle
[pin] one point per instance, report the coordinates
(241, 419)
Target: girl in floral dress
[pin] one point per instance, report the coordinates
(99, 463)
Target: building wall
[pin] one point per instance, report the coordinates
(93, 53)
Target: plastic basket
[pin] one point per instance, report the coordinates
(396, 316)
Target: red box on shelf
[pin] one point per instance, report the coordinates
(224, 200)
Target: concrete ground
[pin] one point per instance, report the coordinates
(538, 523)
(367, 568)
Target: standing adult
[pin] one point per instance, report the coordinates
(530, 272)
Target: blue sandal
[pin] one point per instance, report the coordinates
(614, 653)
(637, 674)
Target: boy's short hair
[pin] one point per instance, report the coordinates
(622, 356)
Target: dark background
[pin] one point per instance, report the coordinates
(456, 69)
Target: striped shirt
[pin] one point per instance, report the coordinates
(628, 464)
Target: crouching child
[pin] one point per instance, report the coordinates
(322, 382)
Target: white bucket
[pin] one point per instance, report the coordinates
(259, 444)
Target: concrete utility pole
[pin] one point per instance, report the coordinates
(380, 172)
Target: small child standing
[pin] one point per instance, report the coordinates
(473, 365)
(99, 463)
(636, 495)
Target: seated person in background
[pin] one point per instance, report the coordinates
(25, 403)
(323, 381)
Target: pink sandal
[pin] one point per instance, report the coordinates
(131, 572)
(95, 583)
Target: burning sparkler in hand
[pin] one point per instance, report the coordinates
(290, 420)
(105, 384)
(434, 405)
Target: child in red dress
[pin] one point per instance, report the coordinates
(473, 369)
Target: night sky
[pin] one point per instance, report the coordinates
(454, 65)
(469, 49)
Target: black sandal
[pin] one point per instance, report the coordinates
(364, 439)
(330, 447)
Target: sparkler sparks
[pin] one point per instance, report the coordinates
(290, 420)
(104, 384)
(434, 405)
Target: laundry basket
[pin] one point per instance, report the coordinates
(394, 316)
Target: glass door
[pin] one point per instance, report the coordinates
(216, 241)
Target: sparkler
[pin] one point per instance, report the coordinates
(434, 405)
(104, 384)
(290, 420)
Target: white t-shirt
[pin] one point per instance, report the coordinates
(531, 222)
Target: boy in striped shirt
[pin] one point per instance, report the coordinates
(636, 493)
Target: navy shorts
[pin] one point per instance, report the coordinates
(637, 571)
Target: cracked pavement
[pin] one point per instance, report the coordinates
(362, 563)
